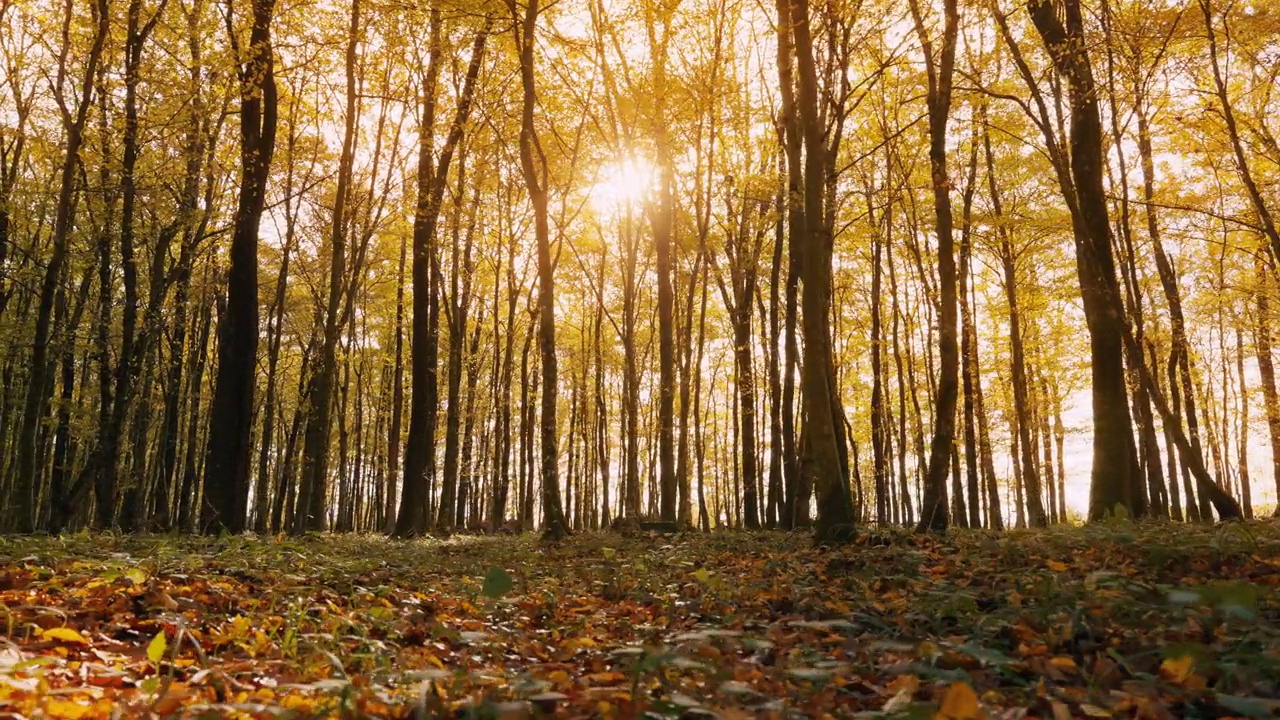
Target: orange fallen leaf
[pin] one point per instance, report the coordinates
(910, 683)
(174, 698)
(960, 703)
(1063, 662)
(606, 678)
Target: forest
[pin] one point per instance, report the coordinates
(369, 266)
(434, 358)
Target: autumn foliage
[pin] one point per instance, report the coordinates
(1112, 621)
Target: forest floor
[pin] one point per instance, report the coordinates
(1150, 621)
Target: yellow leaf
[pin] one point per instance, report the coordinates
(960, 703)
(64, 634)
(1056, 566)
(1178, 670)
(57, 707)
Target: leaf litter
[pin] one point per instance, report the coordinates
(1117, 620)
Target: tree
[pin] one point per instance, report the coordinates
(313, 503)
(432, 178)
(21, 502)
(226, 477)
(940, 73)
(823, 415)
(533, 165)
(1116, 477)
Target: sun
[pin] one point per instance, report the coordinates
(622, 183)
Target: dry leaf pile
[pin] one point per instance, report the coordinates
(1146, 621)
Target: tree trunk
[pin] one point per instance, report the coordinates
(534, 169)
(1116, 478)
(970, 372)
(1263, 342)
(934, 504)
(1018, 369)
(461, 273)
(226, 479)
(822, 415)
(20, 517)
(879, 411)
(315, 443)
(419, 457)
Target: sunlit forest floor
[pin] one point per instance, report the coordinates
(1153, 621)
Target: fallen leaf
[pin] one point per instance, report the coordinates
(960, 703)
(64, 634)
(1178, 670)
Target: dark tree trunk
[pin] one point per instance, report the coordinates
(275, 334)
(1026, 462)
(187, 510)
(1242, 442)
(1116, 477)
(419, 456)
(460, 303)
(315, 443)
(534, 168)
(796, 507)
(102, 465)
(940, 71)
(822, 414)
(970, 371)
(662, 218)
(20, 517)
(226, 478)
(879, 410)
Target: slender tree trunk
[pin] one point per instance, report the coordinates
(902, 509)
(662, 216)
(460, 301)
(940, 72)
(796, 510)
(226, 479)
(970, 371)
(534, 169)
(419, 459)
(315, 443)
(1263, 344)
(1018, 369)
(103, 462)
(1242, 441)
(20, 517)
(879, 411)
(187, 509)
